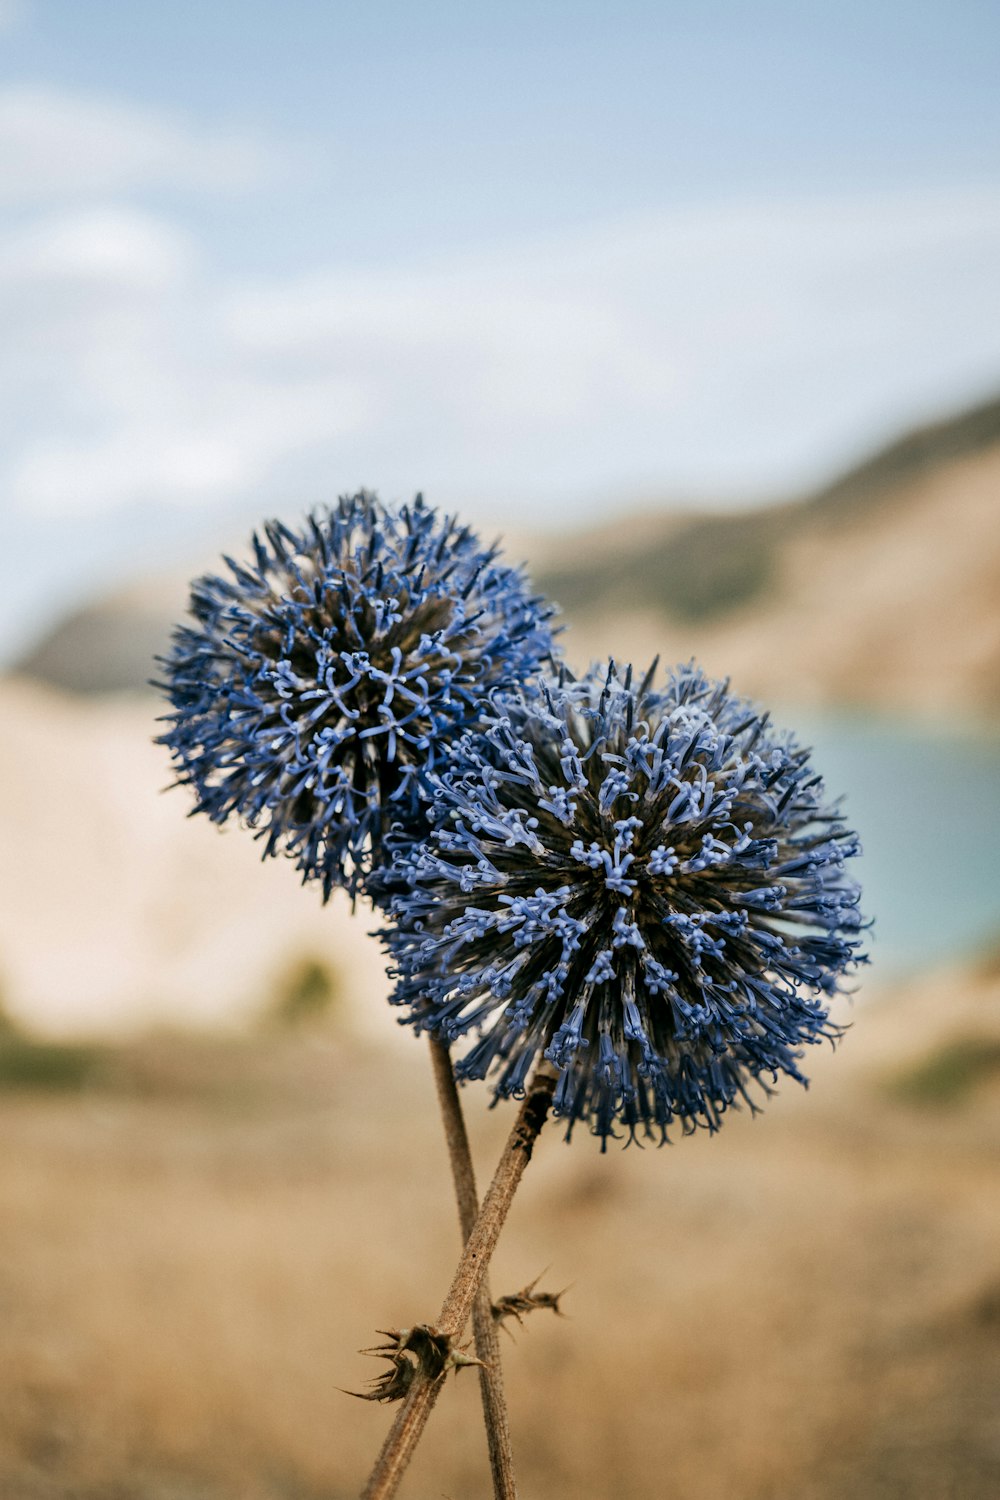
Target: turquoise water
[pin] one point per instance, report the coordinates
(927, 806)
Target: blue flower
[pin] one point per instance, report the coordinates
(323, 676)
(645, 887)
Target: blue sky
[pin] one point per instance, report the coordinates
(539, 260)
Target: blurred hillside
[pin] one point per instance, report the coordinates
(880, 589)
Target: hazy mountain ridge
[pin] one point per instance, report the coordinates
(881, 588)
(702, 567)
(923, 448)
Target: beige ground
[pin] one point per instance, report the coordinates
(806, 1306)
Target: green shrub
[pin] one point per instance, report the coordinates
(950, 1073)
(308, 994)
(47, 1066)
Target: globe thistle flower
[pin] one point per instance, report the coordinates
(646, 888)
(324, 675)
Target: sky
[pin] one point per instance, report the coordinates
(544, 262)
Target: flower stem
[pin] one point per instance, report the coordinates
(483, 1324)
(412, 1417)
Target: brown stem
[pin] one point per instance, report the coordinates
(411, 1419)
(483, 1324)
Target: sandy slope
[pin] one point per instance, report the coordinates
(116, 909)
(899, 609)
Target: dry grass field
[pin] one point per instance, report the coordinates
(197, 1235)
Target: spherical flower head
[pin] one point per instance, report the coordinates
(645, 887)
(324, 675)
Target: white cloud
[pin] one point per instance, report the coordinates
(58, 144)
(207, 448)
(730, 348)
(119, 384)
(735, 349)
(114, 247)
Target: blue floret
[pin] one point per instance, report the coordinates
(645, 887)
(324, 677)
